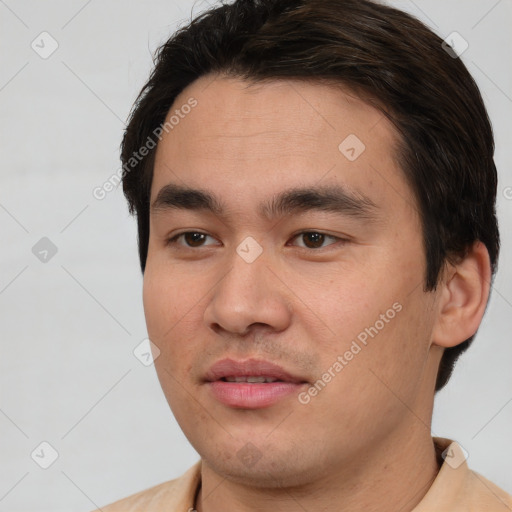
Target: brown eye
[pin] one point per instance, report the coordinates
(194, 239)
(189, 239)
(314, 239)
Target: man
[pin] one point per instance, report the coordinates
(315, 194)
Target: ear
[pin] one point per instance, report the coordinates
(464, 294)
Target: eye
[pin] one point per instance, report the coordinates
(314, 239)
(191, 239)
(310, 239)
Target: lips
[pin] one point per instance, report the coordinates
(251, 384)
(228, 368)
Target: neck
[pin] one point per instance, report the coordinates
(395, 475)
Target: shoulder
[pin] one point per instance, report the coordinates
(486, 495)
(143, 499)
(178, 493)
(458, 488)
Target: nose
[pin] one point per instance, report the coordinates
(249, 293)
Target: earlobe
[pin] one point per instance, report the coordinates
(463, 299)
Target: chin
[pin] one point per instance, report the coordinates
(265, 467)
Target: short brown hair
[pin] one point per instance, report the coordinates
(447, 145)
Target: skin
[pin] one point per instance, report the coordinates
(364, 441)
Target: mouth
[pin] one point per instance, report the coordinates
(250, 379)
(251, 384)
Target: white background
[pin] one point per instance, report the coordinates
(69, 326)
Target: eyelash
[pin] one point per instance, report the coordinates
(174, 239)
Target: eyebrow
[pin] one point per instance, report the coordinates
(326, 198)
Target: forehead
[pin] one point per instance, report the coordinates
(246, 138)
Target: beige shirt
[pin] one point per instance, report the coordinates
(455, 489)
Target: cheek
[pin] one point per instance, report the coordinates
(346, 303)
(375, 322)
(166, 299)
(377, 377)
(171, 309)
(395, 358)
(158, 304)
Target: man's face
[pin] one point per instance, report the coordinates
(329, 291)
